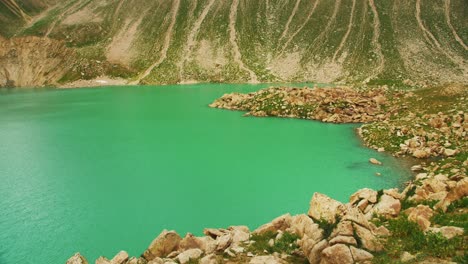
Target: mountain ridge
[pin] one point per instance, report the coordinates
(160, 42)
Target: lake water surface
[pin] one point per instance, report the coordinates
(107, 169)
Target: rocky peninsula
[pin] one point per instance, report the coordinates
(425, 222)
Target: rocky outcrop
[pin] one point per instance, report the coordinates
(33, 61)
(338, 105)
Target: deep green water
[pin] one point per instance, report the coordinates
(101, 170)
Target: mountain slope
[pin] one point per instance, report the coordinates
(161, 41)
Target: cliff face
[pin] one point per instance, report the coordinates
(162, 41)
(30, 61)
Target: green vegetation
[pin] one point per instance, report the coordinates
(285, 244)
(407, 236)
(327, 226)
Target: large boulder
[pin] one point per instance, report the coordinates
(165, 243)
(363, 194)
(388, 206)
(303, 225)
(323, 207)
(239, 233)
(337, 254)
(77, 259)
(421, 214)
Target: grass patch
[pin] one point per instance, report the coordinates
(286, 244)
(407, 236)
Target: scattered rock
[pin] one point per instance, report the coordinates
(450, 152)
(448, 231)
(421, 214)
(406, 257)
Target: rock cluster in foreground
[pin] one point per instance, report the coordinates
(331, 232)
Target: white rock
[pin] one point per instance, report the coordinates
(406, 257)
(449, 152)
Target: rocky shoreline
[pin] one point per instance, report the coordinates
(424, 223)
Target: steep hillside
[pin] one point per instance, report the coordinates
(161, 41)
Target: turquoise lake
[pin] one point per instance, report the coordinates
(99, 170)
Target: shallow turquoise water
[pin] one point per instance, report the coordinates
(100, 170)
